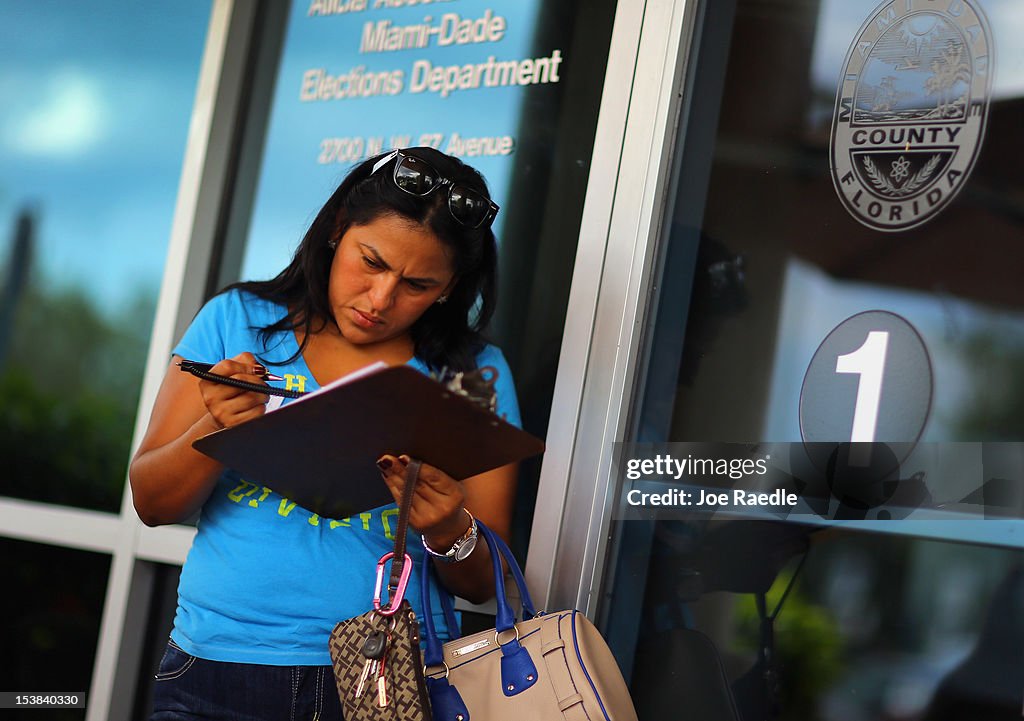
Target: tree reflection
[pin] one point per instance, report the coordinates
(70, 379)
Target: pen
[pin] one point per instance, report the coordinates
(257, 370)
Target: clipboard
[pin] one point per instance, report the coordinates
(321, 450)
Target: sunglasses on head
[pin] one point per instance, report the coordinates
(418, 177)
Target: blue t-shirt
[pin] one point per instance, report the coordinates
(266, 580)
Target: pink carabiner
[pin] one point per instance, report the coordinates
(395, 599)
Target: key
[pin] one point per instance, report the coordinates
(367, 666)
(375, 645)
(373, 649)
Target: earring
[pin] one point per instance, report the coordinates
(442, 299)
(332, 243)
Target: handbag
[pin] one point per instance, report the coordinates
(548, 666)
(376, 656)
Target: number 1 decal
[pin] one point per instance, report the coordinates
(868, 362)
(889, 356)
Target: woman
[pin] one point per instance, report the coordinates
(398, 266)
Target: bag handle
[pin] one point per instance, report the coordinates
(433, 654)
(504, 618)
(529, 611)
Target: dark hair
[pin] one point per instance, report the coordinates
(448, 334)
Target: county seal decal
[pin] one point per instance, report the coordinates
(910, 110)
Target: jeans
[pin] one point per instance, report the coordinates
(193, 688)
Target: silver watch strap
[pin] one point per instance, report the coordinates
(452, 553)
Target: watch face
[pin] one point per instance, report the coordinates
(465, 549)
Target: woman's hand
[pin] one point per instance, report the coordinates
(437, 502)
(170, 479)
(437, 513)
(229, 406)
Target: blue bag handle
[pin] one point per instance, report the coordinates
(433, 654)
(504, 618)
(529, 611)
(445, 700)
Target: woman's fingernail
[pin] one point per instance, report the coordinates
(383, 464)
(404, 459)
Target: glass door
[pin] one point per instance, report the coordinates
(836, 276)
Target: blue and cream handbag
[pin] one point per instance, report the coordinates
(547, 666)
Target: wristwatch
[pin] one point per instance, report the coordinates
(462, 547)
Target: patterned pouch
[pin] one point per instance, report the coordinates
(376, 656)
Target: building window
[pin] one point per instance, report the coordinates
(51, 607)
(97, 99)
